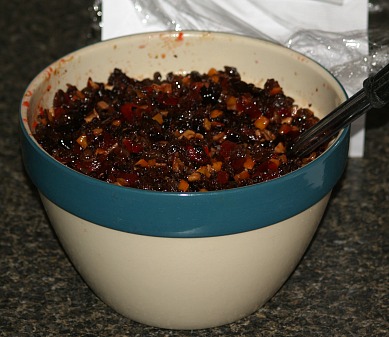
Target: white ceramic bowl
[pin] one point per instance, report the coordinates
(192, 260)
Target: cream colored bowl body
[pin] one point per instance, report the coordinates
(185, 283)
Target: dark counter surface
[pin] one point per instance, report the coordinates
(340, 288)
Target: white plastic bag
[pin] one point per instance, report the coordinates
(332, 32)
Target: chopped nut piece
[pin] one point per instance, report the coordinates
(241, 176)
(294, 111)
(269, 135)
(219, 137)
(50, 114)
(216, 113)
(188, 134)
(183, 185)
(158, 118)
(195, 176)
(265, 134)
(100, 151)
(160, 164)
(231, 103)
(102, 105)
(92, 84)
(91, 116)
(97, 131)
(205, 170)
(177, 164)
(121, 182)
(82, 141)
(280, 148)
(142, 162)
(249, 163)
(287, 120)
(261, 123)
(114, 146)
(217, 165)
(79, 95)
(207, 124)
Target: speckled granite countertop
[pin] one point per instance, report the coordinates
(340, 287)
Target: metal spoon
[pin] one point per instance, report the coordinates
(373, 95)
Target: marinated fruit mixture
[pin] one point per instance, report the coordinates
(184, 132)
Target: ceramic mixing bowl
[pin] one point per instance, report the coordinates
(185, 260)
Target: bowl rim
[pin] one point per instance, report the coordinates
(30, 145)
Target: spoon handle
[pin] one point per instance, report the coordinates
(377, 88)
(375, 94)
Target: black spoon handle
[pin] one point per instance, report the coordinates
(374, 95)
(377, 88)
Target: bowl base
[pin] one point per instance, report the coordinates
(185, 283)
